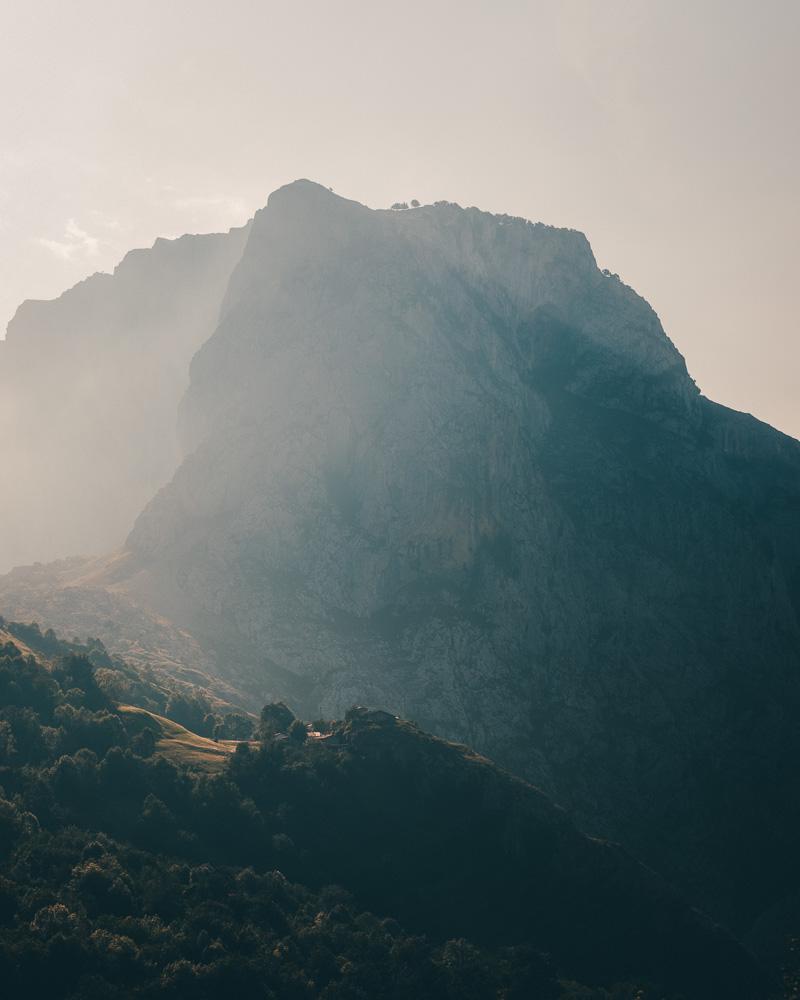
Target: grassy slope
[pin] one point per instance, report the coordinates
(176, 743)
(6, 636)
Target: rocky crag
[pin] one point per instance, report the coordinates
(438, 461)
(89, 391)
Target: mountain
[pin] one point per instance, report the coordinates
(89, 391)
(437, 461)
(368, 859)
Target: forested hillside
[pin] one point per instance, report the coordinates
(347, 859)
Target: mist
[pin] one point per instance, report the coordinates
(669, 134)
(90, 385)
(399, 502)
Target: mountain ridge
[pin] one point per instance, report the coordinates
(437, 461)
(89, 390)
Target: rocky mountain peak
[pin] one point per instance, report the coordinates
(90, 384)
(437, 461)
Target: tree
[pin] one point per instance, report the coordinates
(276, 717)
(8, 749)
(234, 726)
(297, 732)
(210, 723)
(11, 826)
(78, 672)
(189, 712)
(144, 743)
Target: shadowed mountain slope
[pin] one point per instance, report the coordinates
(126, 871)
(441, 463)
(437, 461)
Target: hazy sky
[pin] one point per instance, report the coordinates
(667, 131)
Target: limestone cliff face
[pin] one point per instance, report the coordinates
(436, 461)
(89, 390)
(439, 462)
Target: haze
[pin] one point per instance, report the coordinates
(667, 132)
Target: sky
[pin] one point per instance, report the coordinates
(666, 130)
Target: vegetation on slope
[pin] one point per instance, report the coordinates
(358, 859)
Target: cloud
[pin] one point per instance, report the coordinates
(75, 245)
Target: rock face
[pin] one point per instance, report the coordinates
(438, 462)
(89, 389)
(443, 464)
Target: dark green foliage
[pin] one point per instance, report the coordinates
(109, 680)
(144, 743)
(191, 712)
(276, 717)
(139, 879)
(124, 876)
(297, 732)
(77, 672)
(234, 726)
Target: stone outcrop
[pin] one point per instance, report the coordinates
(438, 462)
(89, 390)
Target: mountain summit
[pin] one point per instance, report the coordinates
(437, 460)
